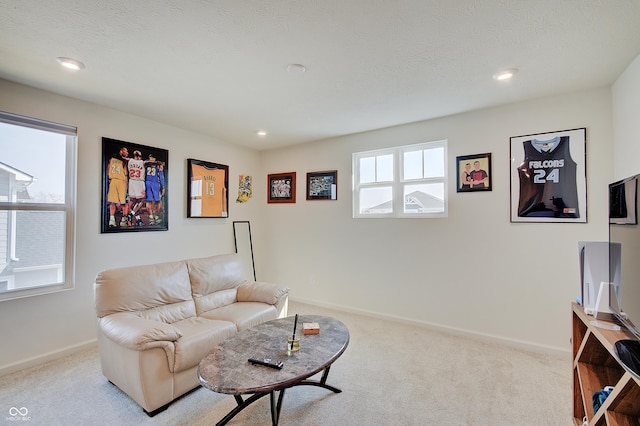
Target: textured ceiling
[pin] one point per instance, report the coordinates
(219, 67)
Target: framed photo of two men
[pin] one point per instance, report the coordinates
(548, 177)
(134, 187)
(474, 173)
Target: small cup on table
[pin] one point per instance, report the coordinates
(293, 344)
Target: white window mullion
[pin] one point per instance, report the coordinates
(398, 190)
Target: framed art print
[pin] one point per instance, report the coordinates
(322, 185)
(134, 187)
(474, 173)
(281, 187)
(548, 177)
(207, 189)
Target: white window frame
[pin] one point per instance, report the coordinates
(66, 272)
(398, 183)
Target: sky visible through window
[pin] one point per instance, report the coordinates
(38, 153)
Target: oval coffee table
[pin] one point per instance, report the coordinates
(226, 369)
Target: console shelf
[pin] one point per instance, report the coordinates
(596, 366)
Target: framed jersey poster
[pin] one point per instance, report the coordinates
(207, 189)
(548, 177)
(134, 187)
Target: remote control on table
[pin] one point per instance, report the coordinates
(267, 363)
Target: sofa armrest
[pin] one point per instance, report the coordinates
(251, 291)
(137, 333)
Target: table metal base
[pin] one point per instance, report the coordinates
(276, 403)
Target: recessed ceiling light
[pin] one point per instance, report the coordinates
(70, 63)
(261, 133)
(505, 74)
(296, 69)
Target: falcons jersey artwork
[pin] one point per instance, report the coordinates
(548, 180)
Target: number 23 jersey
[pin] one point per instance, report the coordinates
(548, 180)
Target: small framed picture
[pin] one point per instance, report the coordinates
(548, 177)
(207, 189)
(474, 172)
(281, 187)
(134, 187)
(322, 185)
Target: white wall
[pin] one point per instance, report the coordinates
(626, 110)
(473, 271)
(33, 327)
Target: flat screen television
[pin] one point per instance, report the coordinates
(624, 267)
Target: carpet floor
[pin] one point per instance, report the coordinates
(391, 374)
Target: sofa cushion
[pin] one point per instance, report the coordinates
(170, 313)
(199, 336)
(215, 300)
(243, 314)
(212, 274)
(138, 288)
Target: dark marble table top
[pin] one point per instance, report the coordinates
(225, 368)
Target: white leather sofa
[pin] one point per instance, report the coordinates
(156, 322)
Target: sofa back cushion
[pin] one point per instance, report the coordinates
(214, 280)
(161, 292)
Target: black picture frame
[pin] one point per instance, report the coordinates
(281, 187)
(548, 177)
(322, 185)
(207, 189)
(474, 173)
(134, 187)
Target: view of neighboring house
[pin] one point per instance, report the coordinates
(23, 256)
(414, 202)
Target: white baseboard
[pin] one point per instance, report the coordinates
(49, 356)
(514, 343)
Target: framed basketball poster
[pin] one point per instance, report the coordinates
(548, 177)
(281, 187)
(207, 189)
(134, 187)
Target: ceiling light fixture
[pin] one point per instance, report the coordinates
(261, 133)
(505, 74)
(70, 63)
(296, 69)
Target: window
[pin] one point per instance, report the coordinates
(37, 203)
(401, 182)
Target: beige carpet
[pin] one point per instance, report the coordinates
(391, 374)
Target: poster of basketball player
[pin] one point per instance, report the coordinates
(207, 189)
(474, 172)
(548, 177)
(134, 187)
